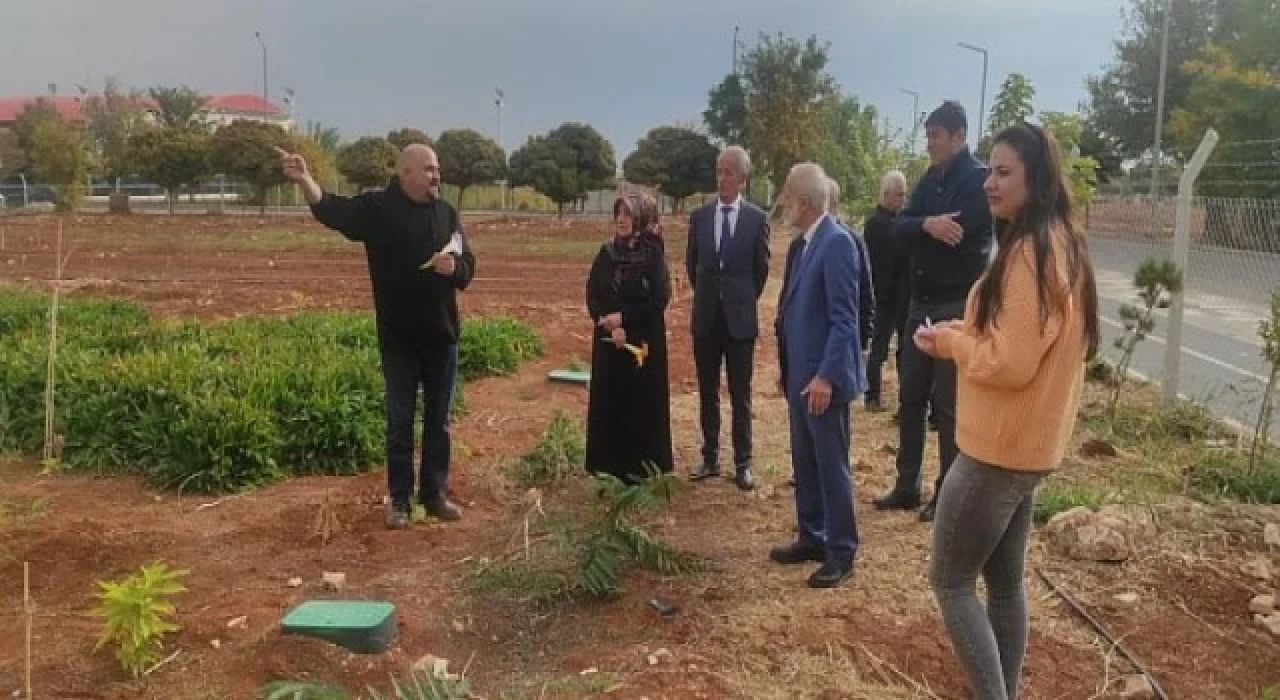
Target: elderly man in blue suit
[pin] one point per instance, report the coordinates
(818, 323)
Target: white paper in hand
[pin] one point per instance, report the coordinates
(453, 247)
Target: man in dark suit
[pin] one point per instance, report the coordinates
(819, 323)
(946, 226)
(728, 263)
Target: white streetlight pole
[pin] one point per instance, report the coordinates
(982, 99)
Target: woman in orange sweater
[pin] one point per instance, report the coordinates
(1029, 327)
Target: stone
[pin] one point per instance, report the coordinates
(294, 582)
(241, 622)
(1082, 534)
(1263, 604)
(333, 580)
(1270, 623)
(1271, 535)
(215, 643)
(1136, 687)
(433, 666)
(1126, 598)
(1258, 568)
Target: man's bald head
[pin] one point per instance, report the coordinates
(419, 171)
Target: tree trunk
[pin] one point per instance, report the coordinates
(462, 196)
(172, 202)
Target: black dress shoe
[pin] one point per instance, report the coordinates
(831, 575)
(706, 471)
(897, 500)
(927, 515)
(797, 553)
(745, 480)
(443, 509)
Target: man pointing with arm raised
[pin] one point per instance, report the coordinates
(405, 229)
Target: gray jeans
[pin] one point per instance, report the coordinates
(982, 525)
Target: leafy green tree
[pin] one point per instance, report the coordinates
(321, 161)
(469, 158)
(172, 157)
(787, 88)
(368, 162)
(1122, 99)
(856, 150)
(180, 106)
(567, 163)
(1081, 170)
(12, 158)
(678, 161)
(245, 149)
(326, 137)
(59, 155)
(1013, 104)
(726, 113)
(407, 135)
(1241, 102)
(111, 119)
(33, 114)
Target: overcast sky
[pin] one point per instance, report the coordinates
(624, 66)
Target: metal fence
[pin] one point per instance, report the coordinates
(221, 196)
(1235, 243)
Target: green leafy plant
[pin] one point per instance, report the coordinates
(212, 407)
(1155, 280)
(1225, 474)
(138, 613)
(559, 452)
(1269, 330)
(616, 539)
(591, 558)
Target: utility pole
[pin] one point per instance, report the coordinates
(1155, 151)
(735, 49)
(982, 99)
(915, 116)
(266, 104)
(500, 102)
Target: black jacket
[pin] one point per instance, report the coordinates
(941, 273)
(734, 289)
(890, 261)
(399, 235)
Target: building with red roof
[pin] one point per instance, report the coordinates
(222, 109)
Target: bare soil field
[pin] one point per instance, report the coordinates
(745, 627)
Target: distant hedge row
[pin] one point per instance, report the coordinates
(212, 406)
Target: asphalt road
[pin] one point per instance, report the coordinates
(1222, 364)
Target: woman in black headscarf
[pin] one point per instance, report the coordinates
(629, 410)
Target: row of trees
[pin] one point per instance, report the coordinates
(784, 107)
(1223, 72)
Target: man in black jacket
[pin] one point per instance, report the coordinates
(947, 228)
(727, 261)
(418, 261)
(890, 261)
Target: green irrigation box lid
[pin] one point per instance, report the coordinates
(364, 627)
(569, 376)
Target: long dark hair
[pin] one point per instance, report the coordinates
(1047, 207)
